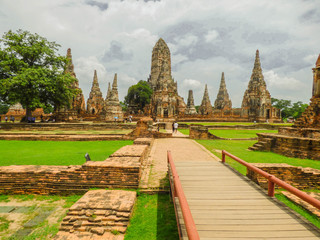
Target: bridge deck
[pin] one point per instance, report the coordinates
(226, 205)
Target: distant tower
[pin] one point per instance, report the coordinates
(205, 107)
(311, 116)
(316, 79)
(190, 105)
(165, 101)
(223, 102)
(160, 55)
(95, 103)
(113, 108)
(78, 104)
(256, 103)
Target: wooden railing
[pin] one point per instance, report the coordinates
(177, 191)
(272, 180)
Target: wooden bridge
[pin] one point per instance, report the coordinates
(226, 205)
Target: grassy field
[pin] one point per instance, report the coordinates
(55, 152)
(153, 219)
(230, 123)
(240, 149)
(233, 133)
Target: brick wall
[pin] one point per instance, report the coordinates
(299, 177)
(121, 170)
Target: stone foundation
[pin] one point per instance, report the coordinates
(99, 214)
(299, 147)
(200, 132)
(299, 177)
(121, 170)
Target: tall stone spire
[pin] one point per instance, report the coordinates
(160, 55)
(108, 92)
(205, 107)
(256, 101)
(190, 109)
(95, 103)
(223, 101)
(316, 79)
(113, 108)
(77, 104)
(165, 101)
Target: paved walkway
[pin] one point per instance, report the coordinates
(224, 204)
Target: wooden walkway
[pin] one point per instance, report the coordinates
(226, 205)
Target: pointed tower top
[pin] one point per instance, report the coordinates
(318, 62)
(222, 80)
(95, 78)
(115, 81)
(161, 43)
(257, 64)
(69, 53)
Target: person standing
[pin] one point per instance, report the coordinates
(176, 127)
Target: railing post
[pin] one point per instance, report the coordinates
(223, 157)
(270, 187)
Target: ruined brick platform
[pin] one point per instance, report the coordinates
(121, 170)
(99, 214)
(299, 177)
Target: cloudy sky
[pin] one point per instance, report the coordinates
(205, 37)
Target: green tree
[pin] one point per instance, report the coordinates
(298, 108)
(139, 95)
(3, 108)
(289, 109)
(32, 73)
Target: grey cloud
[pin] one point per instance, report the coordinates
(311, 16)
(116, 53)
(266, 38)
(152, 0)
(100, 5)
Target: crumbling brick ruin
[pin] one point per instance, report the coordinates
(302, 140)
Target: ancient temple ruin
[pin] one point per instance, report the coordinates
(190, 109)
(165, 101)
(223, 101)
(113, 109)
(76, 106)
(205, 107)
(256, 103)
(95, 102)
(302, 140)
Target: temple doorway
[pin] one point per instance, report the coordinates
(165, 112)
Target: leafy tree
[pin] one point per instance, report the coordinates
(139, 95)
(289, 109)
(3, 108)
(32, 73)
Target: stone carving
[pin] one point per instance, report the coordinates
(256, 103)
(165, 101)
(95, 103)
(205, 107)
(223, 102)
(190, 105)
(113, 108)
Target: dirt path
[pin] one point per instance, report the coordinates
(182, 149)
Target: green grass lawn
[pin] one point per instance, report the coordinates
(55, 152)
(45, 132)
(153, 219)
(234, 133)
(230, 123)
(240, 149)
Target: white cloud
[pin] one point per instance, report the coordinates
(286, 83)
(211, 35)
(191, 83)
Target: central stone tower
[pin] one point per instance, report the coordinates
(165, 101)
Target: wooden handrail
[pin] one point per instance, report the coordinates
(272, 180)
(178, 192)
